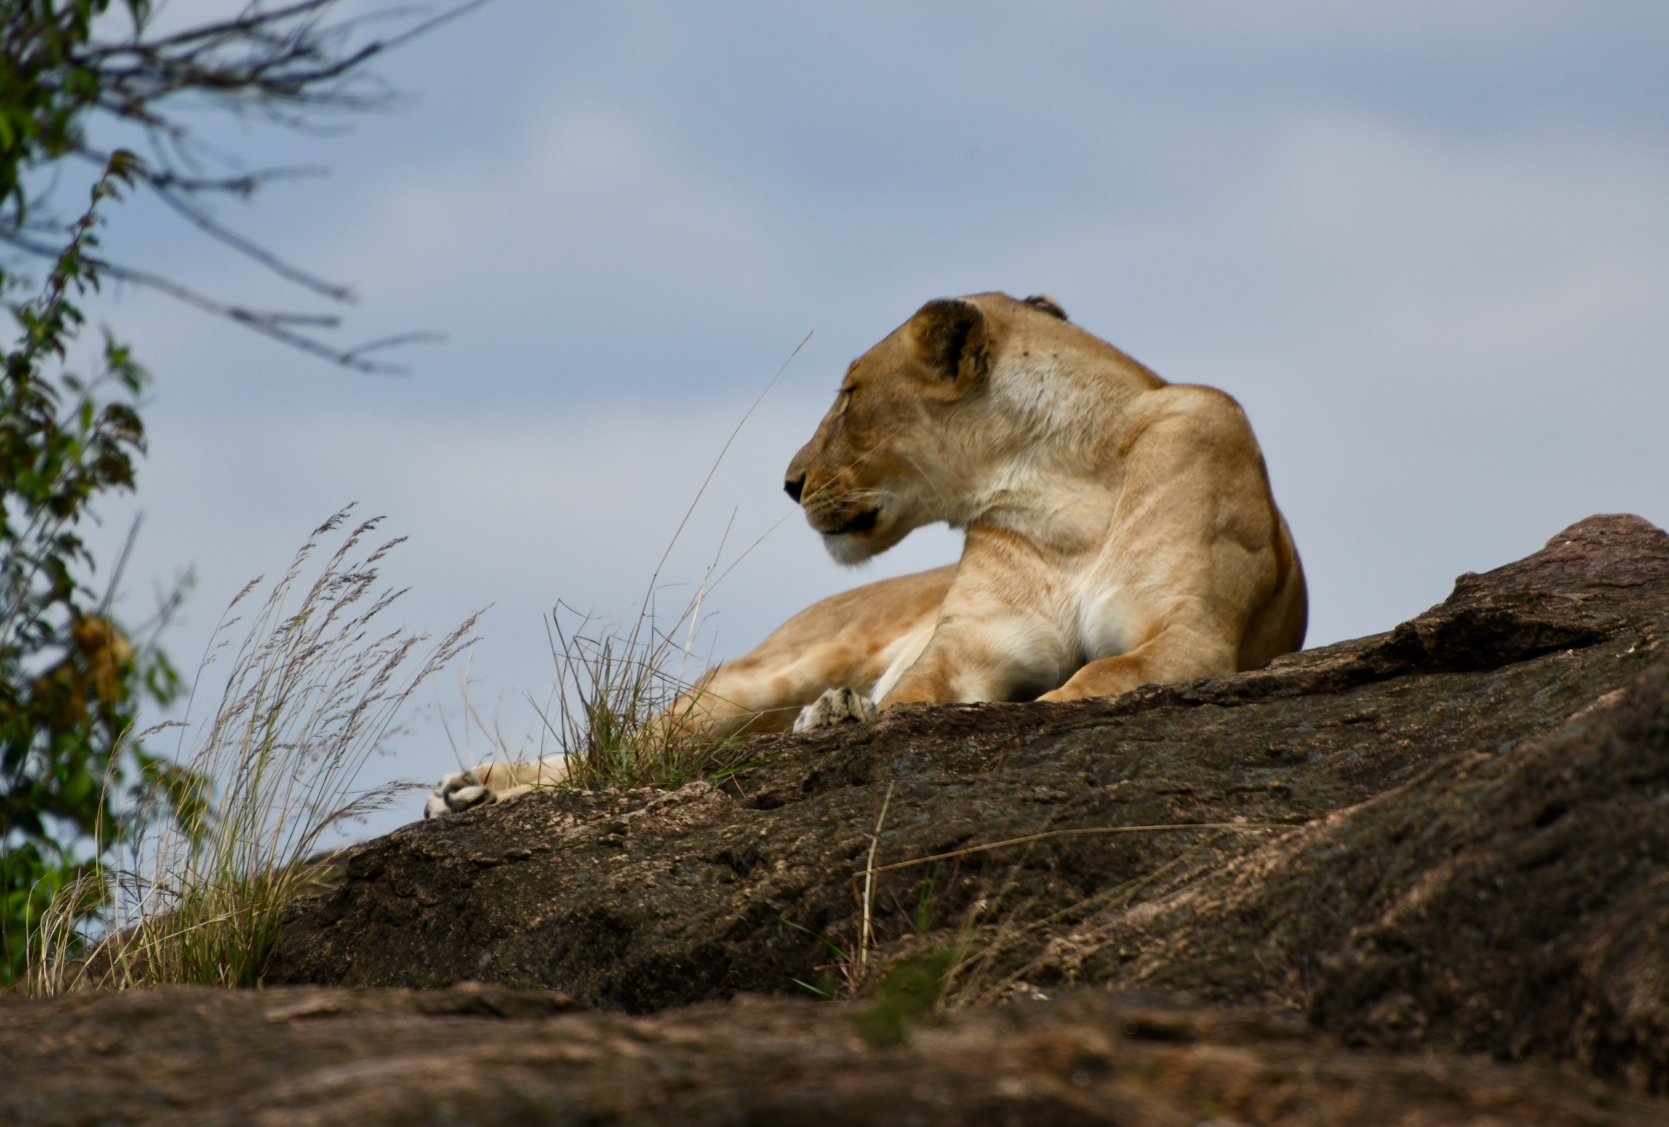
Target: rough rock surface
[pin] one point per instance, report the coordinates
(1454, 834)
(1321, 892)
(315, 1056)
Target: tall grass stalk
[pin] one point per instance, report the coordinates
(621, 712)
(313, 690)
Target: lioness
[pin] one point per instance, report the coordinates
(1120, 531)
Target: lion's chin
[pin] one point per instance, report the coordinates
(849, 548)
(855, 546)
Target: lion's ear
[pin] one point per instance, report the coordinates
(950, 336)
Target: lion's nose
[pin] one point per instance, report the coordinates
(793, 486)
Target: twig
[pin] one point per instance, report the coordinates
(869, 880)
(708, 480)
(286, 61)
(272, 324)
(1064, 833)
(196, 214)
(1111, 896)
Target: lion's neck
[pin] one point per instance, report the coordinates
(1064, 510)
(1061, 427)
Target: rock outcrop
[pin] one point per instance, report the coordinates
(309, 1056)
(1451, 836)
(1325, 892)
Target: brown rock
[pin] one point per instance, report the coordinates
(1453, 834)
(1452, 838)
(314, 1056)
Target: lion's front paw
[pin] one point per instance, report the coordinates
(458, 793)
(837, 706)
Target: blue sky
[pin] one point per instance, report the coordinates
(1425, 245)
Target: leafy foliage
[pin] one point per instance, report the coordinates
(73, 780)
(46, 85)
(71, 679)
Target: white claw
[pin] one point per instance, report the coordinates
(436, 806)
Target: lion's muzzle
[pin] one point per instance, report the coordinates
(861, 522)
(836, 507)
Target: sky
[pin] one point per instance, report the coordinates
(1425, 245)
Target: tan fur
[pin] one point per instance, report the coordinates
(1120, 530)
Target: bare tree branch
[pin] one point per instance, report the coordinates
(288, 63)
(205, 222)
(240, 185)
(276, 325)
(287, 54)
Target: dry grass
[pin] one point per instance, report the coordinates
(622, 713)
(312, 692)
(1002, 940)
(624, 710)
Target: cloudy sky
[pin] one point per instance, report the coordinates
(1426, 245)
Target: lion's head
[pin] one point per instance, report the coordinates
(915, 430)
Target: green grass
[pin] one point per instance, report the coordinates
(908, 992)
